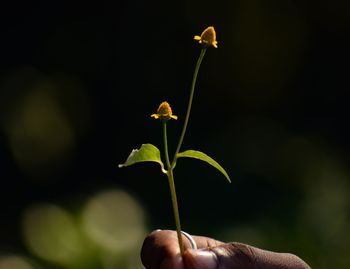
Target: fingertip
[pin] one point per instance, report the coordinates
(200, 259)
(158, 246)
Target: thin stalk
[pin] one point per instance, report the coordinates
(171, 165)
(175, 209)
(166, 151)
(194, 79)
(170, 176)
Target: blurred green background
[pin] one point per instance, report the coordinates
(78, 84)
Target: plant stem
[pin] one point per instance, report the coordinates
(175, 209)
(194, 79)
(171, 166)
(170, 176)
(165, 138)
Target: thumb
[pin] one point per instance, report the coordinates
(237, 255)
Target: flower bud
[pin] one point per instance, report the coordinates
(164, 112)
(207, 38)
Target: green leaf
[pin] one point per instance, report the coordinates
(203, 157)
(147, 153)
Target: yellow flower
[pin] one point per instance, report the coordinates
(207, 38)
(164, 112)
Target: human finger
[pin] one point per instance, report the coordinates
(161, 248)
(237, 255)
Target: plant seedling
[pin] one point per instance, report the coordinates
(150, 153)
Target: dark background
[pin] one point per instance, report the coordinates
(78, 84)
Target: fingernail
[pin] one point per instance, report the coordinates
(199, 259)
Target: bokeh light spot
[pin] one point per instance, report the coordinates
(51, 233)
(14, 262)
(115, 221)
(39, 132)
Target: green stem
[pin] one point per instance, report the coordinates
(170, 176)
(165, 138)
(175, 209)
(194, 79)
(171, 166)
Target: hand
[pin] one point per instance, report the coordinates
(160, 250)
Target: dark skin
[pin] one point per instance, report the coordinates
(160, 250)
